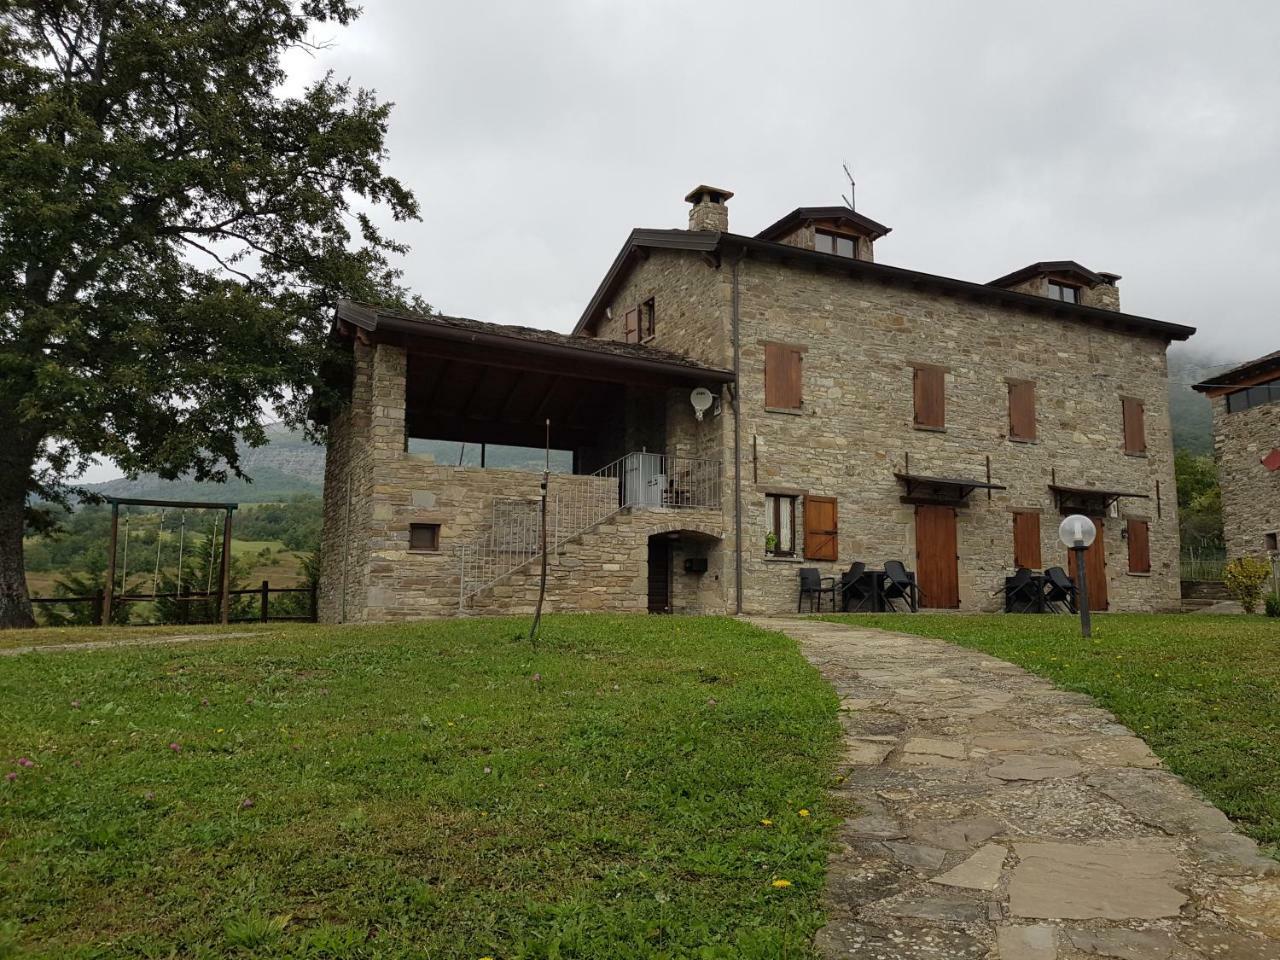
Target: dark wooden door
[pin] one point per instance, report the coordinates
(659, 575)
(1095, 568)
(937, 569)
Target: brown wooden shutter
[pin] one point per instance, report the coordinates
(820, 530)
(631, 323)
(931, 397)
(1139, 546)
(1026, 540)
(1135, 430)
(1022, 410)
(782, 378)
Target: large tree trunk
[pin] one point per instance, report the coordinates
(15, 602)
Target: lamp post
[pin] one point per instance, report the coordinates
(1077, 532)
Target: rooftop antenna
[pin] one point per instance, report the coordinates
(852, 186)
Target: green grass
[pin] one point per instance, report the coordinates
(55, 636)
(435, 790)
(1203, 691)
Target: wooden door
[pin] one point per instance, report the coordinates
(937, 570)
(1095, 568)
(659, 575)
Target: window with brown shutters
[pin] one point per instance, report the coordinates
(1139, 536)
(1135, 430)
(1026, 540)
(782, 376)
(821, 533)
(930, 388)
(1022, 410)
(631, 325)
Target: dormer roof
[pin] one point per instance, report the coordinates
(1068, 268)
(800, 215)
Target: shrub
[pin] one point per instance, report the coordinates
(1273, 605)
(1245, 577)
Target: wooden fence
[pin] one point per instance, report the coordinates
(185, 604)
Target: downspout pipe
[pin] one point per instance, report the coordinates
(737, 437)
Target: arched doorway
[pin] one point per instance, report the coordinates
(684, 572)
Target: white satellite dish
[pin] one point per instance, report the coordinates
(701, 399)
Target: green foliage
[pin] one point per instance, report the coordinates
(1245, 578)
(1200, 689)
(1199, 504)
(441, 785)
(1273, 605)
(295, 523)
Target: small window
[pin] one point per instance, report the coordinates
(782, 376)
(1254, 396)
(1139, 537)
(1135, 430)
(1026, 540)
(840, 244)
(1064, 292)
(1022, 410)
(780, 510)
(1273, 543)
(930, 393)
(647, 320)
(424, 537)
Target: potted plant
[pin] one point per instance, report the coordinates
(770, 542)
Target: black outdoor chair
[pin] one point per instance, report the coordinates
(1022, 593)
(815, 586)
(1059, 590)
(899, 585)
(857, 589)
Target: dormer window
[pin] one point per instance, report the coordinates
(1066, 292)
(839, 244)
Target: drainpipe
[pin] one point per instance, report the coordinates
(737, 443)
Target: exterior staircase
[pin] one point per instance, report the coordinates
(1199, 594)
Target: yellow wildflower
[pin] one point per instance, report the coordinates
(804, 813)
(781, 884)
(766, 822)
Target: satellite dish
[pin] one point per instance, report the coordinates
(701, 399)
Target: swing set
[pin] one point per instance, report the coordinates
(180, 507)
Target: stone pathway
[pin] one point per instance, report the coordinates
(998, 816)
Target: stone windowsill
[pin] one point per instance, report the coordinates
(773, 559)
(921, 427)
(426, 553)
(1139, 454)
(1136, 573)
(789, 411)
(1027, 440)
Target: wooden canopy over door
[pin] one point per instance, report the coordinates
(1095, 568)
(937, 559)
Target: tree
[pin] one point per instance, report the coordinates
(173, 235)
(1199, 503)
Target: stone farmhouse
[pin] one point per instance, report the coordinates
(1246, 446)
(731, 408)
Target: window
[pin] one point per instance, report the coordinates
(782, 378)
(1026, 540)
(837, 243)
(821, 532)
(1273, 543)
(780, 516)
(930, 389)
(1064, 292)
(424, 537)
(1022, 410)
(1254, 396)
(1139, 537)
(1135, 431)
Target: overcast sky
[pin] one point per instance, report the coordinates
(1141, 138)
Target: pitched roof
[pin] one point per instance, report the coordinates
(800, 214)
(715, 245)
(1053, 266)
(1243, 374)
(635, 356)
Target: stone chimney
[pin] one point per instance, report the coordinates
(1106, 294)
(708, 211)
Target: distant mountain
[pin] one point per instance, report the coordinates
(1189, 412)
(287, 465)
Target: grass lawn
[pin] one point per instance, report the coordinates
(632, 788)
(55, 636)
(1203, 691)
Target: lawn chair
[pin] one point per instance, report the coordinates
(857, 589)
(1022, 594)
(899, 585)
(1059, 590)
(814, 585)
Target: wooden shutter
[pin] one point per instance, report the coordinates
(931, 397)
(631, 324)
(820, 529)
(1135, 430)
(1139, 546)
(782, 376)
(1026, 540)
(1022, 409)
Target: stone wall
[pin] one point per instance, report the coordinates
(1250, 492)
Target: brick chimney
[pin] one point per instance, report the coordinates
(708, 211)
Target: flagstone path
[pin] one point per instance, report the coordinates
(999, 816)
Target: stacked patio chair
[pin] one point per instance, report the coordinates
(899, 585)
(1059, 591)
(1023, 593)
(858, 591)
(815, 586)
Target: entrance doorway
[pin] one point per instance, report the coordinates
(659, 574)
(1095, 568)
(937, 569)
